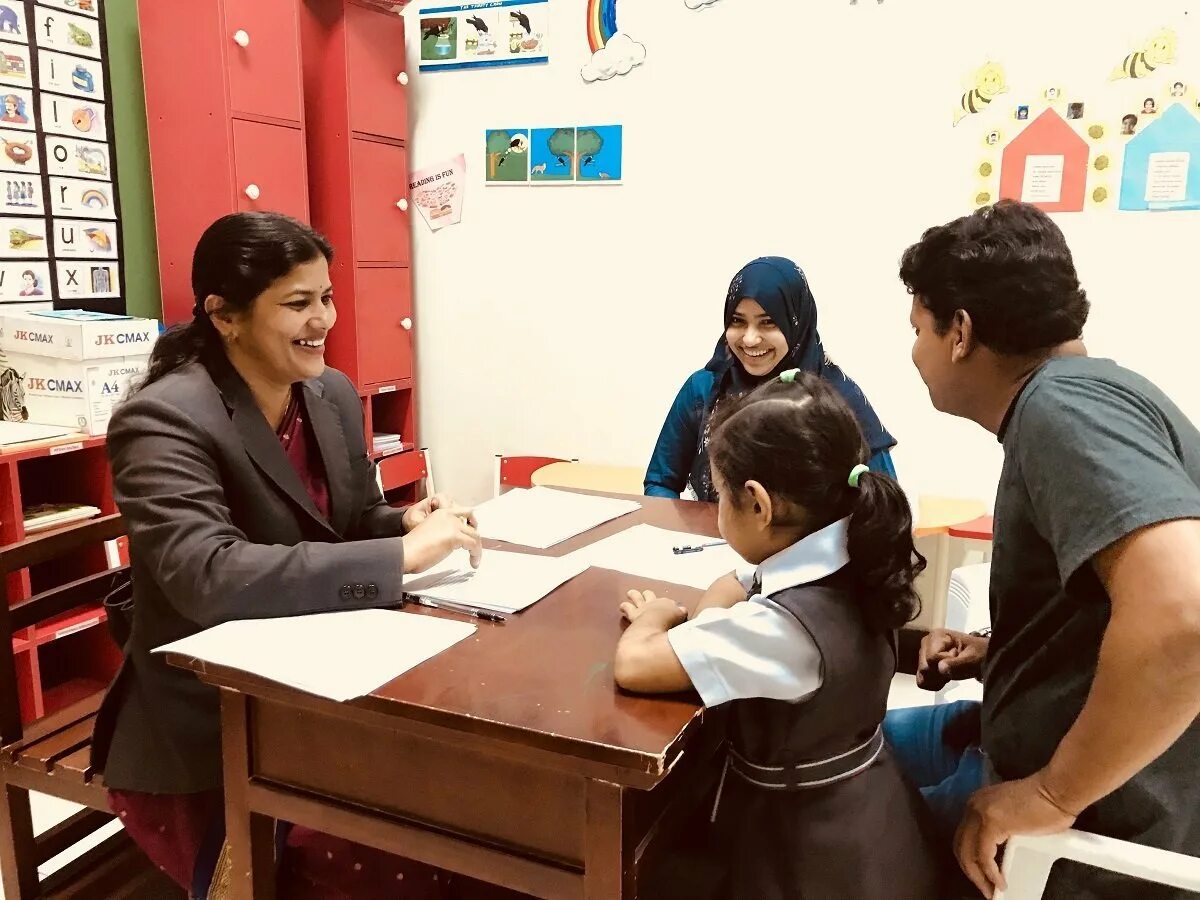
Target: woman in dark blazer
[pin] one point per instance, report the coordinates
(241, 469)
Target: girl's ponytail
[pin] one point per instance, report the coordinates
(882, 556)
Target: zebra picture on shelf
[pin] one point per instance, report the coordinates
(12, 396)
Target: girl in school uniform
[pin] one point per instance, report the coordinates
(770, 327)
(802, 648)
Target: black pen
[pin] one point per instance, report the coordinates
(451, 606)
(696, 549)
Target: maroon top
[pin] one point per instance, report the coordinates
(300, 444)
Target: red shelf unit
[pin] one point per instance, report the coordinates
(225, 111)
(63, 660)
(297, 106)
(356, 106)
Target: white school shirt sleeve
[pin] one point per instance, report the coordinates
(751, 649)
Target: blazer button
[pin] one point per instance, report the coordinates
(347, 592)
(372, 592)
(359, 592)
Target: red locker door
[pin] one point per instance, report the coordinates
(269, 168)
(375, 60)
(263, 57)
(379, 188)
(383, 309)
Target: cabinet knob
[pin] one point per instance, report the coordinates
(402, 205)
(253, 192)
(241, 38)
(406, 323)
(402, 78)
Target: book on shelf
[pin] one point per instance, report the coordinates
(54, 515)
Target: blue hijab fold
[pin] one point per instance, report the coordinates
(778, 285)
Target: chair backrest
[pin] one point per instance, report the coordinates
(517, 471)
(86, 591)
(1027, 862)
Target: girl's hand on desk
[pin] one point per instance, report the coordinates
(437, 536)
(655, 610)
(419, 512)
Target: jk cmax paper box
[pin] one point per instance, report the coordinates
(76, 334)
(76, 394)
(71, 367)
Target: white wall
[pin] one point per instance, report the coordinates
(562, 320)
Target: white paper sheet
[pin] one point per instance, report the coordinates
(542, 517)
(339, 655)
(648, 551)
(24, 432)
(504, 582)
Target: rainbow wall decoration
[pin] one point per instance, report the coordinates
(601, 22)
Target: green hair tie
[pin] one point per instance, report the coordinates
(857, 473)
(789, 377)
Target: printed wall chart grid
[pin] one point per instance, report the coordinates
(59, 207)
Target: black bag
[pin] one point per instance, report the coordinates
(118, 605)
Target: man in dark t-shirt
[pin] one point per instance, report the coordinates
(1092, 671)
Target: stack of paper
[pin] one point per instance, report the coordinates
(649, 552)
(338, 655)
(53, 515)
(384, 442)
(504, 582)
(542, 517)
(24, 432)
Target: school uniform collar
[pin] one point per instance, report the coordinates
(811, 558)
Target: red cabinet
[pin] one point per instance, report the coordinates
(263, 58)
(375, 65)
(268, 162)
(225, 119)
(379, 177)
(384, 324)
(354, 104)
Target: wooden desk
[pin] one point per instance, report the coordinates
(511, 757)
(615, 479)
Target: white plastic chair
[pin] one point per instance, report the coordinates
(1027, 862)
(967, 609)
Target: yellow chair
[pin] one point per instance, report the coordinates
(590, 477)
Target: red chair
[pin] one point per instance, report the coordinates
(517, 471)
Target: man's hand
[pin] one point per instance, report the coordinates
(949, 656)
(995, 814)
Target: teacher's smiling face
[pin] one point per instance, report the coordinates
(755, 339)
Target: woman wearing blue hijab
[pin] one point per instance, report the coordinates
(770, 327)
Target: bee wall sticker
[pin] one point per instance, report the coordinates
(1159, 50)
(989, 83)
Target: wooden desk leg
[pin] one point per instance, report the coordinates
(18, 846)
(250, 836)
(607, 865)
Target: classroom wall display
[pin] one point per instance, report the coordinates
(22, 282)
(1162, 164)
(484, 35)
(438, 192)
(1127, 138)
(506, 155)
(584, 154)
(59, 205)
(613, 52)
(15, 68)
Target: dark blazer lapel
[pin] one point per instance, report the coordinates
(331, 438)
(260, 441)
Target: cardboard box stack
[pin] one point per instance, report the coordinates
(71, 366)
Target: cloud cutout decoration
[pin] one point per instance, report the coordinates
(617, 57)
